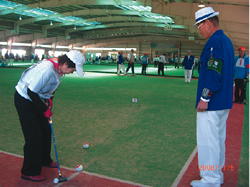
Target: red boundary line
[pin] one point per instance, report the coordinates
(10, 167)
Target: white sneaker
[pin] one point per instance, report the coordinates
(199, 183)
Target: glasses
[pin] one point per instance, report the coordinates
(200, 26)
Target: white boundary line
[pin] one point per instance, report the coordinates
(85, 172)
(184, 169)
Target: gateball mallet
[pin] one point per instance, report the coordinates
(60, 178)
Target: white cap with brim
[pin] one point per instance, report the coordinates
(204, 14)
(78, 59)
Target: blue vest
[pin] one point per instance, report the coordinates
(144, 59)
(242, 68)
(188, 63)
(221, 85)
(120, 59)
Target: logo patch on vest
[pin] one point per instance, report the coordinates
(214, 64)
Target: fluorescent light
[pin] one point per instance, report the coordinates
(62, 47)
(3, 43)
(21, 44)
(110, 49)
(45, 46)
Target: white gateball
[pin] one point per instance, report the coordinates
(86, 146)
(79, 168)
(56, 180)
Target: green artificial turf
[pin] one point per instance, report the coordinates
(148, 144)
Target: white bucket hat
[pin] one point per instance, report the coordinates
(204, 14)
(78, 58)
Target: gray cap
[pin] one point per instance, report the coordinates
(189, 50)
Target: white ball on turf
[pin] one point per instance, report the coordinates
(56, 180)
(85, 145)
(79, 168)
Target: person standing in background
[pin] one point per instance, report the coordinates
(7, 58)
(162, 61)
(131, 62)
(176, 61)
(144, 63)
(12, 57)
(121, 63)
(188, 64)
(155, 61)
(241, 72)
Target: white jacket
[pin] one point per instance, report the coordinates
(40, 78)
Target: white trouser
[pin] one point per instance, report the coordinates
(188, 75)
(121, 66)
(7, 62)
(211, 136)
(32, 61)
(11, 62)
(106, 61)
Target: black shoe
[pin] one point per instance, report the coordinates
(235, 101)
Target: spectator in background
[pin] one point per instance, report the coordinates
(107, 59)
(157, 60)
(99, 60)
(12, 57)
(131, 62)
(169, 60)
(176, 61)
(7, 58)
(196, 60)
(188, 64)
(241, 72)
(144, 63)
(154, 60)
(32, 57)
(96, 60)
(120, 62)
(162, 61)
(16, 57)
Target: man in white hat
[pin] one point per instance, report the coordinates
(214, 98)
(38, 83)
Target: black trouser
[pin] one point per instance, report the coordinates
(155, 63)
(132, 67)
(37, 135)
(176, 65)
(239, 85)
(160, 68)
(144, 67)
